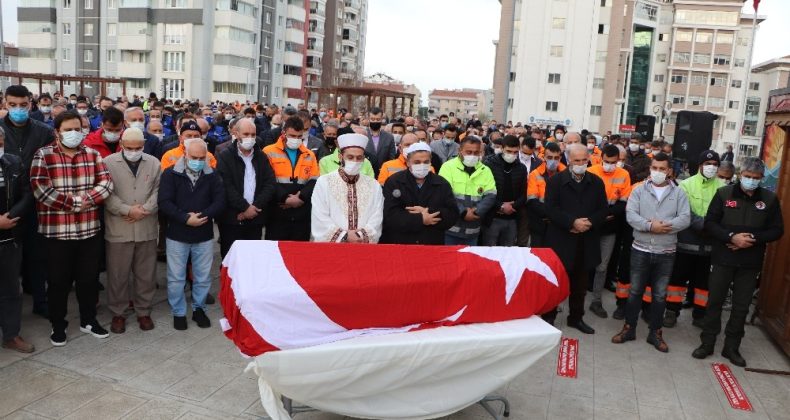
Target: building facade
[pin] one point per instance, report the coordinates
(463, 103)
(383, 81)
(599, 64)
(228, 50)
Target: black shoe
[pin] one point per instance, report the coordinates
(93, 328)
(582, 326)
(210, 299)
(58, 337)
(200, 318)
(598, 310)
(619, 313)
(670, 319)
(656, 338)
(698, 322)
(734, 355)
(180, 323)
(702, 352)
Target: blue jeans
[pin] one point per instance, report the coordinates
(653, 270)
(455, 240)
(177, 255)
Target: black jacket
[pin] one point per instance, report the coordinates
(231, 169)
(400, 226)
(518, 186)
(31, 137)
(640, 165)
(152, 145)
(18, 198)
(567, 200)
(177, 197)
(732, 211)
(262, 125)
(271, 136)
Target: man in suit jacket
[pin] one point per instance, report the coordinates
(381, 144)
(315, 144)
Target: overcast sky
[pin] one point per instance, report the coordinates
(438, 44)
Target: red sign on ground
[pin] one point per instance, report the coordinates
(732, 389)
(567, 358)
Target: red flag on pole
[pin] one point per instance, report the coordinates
(756, 4)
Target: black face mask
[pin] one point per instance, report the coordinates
(375, 126)
(330, 141)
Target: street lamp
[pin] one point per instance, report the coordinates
(662, 112)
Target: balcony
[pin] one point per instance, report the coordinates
(134, 70)
(235, 19)
(37, 65)
(140, 42)
(37, 40)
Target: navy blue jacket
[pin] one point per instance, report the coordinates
(178, 197)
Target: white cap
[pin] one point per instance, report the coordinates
(352, 140)
(418, 147)
(132, 133)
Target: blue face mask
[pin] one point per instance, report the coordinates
(750, 184)
(209, 119)
(196, 165)
(18, 115)
(552, 164)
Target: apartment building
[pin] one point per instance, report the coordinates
(464, 103)
(229, 50)
(383, 81)
(599, 64)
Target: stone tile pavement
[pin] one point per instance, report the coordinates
(198, 374)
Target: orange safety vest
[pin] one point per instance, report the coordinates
(617, 183)
(173, 155)
(536, 182)
(305, 170)
(391, 167)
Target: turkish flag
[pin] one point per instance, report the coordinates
(281, 295)
(756, 4)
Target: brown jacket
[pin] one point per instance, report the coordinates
(130, 190)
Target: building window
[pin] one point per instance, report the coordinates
(704, 37)
(734, 105)
(88, 4)
(661, 58)
(657, 98)
(681, 57)
(721, 60)
(174, 88)
(603, 29)
(558, 23)
(724, 38)
(696, 101)
(743, 42)
(66, 54)
(174, 34)
(552, 106)
(112, 29)
(268, 17)
(175, 3)
(679, 78)
(276, 92)
(754, 86)
(512, 76)
(658, 78)
(736, 83)
(67, 4)
(88, 29)
(677, 99)
(595, 110)
(701, 58)
(603, 3)
(111, 4)
(731, 125)
(663, 37)
(699, 80)
(739, 62)
(683, 36)
(87, 56)
(66, 29)
(598, 83)
(554, 78)
(264, 90)
(267, 42)
(718, 81)
(555, 51)
(716, 102)
(110, 56)
(174, 61)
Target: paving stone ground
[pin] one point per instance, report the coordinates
(199, 374)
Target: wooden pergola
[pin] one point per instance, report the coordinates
(336, 97)
(41, 77)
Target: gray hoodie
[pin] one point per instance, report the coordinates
(643, 206)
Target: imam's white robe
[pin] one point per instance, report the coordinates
(339, 207)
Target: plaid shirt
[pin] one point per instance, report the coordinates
(68, 191)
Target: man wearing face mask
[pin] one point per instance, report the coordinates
(313, 143)
(191, 195)
(97, 118)
(394, 166)
(329, 136)
(70, 182)
(637, 159)
(568, 140)
(510, 177)
(742, 219)
(189, 130)
(475, 191)
(726, 172)
(134, 117)
(419, 206)
(338, 194)
(382, 144)
(296, 171)
(559, 134)
(536, 194)
(576, 206)
(249, 187)
(23, 137)
(446, 148)
(692, 261)
(44, 111)
(398, 130)
(131, 230)
(105, 140)
(618, 188)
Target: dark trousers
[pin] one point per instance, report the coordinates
(689, 277)
(743, 282)
(624, 266)
(34, 263)
(522, 221)
(73, 262)
(288, 230)
(614, 259)
(10, 296)
(231, 233)
(654, 270)
(578, 276)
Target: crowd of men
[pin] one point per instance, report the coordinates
(103, 185)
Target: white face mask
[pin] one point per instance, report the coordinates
(160, 136)
(709, 171)
(634, 147)
(620, 164)
(352, 168)
(657, 177)
(397, 138)
(111, 137)
(579, 169)
(509, 157)
(471, 161)
(293, 142)
(559, 136)
(420, 170)
(228, 117)
(132, 155)
(609, 167)
(82, 112)
(247, 143)
(538, 144)
(71, 139)
(497, 150)
(138, 125)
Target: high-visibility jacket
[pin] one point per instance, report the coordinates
(331, 163)
(700, 192)
(617, 183)
(391, 167)
(173, 155)
(596, 156)
(536, 182)
(477, 191)
(291, 179)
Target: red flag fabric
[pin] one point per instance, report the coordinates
(756, 4)
(282, 295)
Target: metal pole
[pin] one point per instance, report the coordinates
(737, 149)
